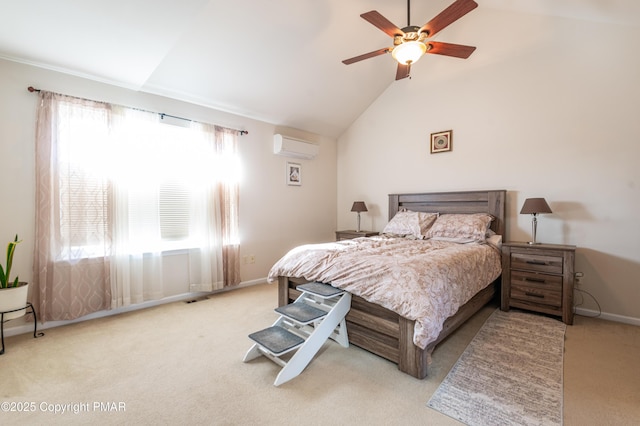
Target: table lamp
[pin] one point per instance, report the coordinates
(359, 206)
(535, 206)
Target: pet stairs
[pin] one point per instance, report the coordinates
(316, 315)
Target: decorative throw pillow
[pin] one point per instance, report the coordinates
(410, 224)
(462, 228)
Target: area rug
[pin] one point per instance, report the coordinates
(510, 374)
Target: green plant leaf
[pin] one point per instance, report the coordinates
(10, 250)
(6, 274)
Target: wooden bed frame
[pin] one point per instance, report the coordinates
(387, 334)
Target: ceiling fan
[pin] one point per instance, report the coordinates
(411, 42)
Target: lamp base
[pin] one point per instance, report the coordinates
(534, 228)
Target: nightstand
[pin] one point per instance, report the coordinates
(348, 235)
(538, 277)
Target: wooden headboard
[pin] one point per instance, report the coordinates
(492, 202)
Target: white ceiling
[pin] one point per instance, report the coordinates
(277, 61)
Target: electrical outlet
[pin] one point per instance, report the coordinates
(578, 278)
(252, 258)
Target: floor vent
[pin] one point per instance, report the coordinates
(196, 300)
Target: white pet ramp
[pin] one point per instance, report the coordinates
(316, 315)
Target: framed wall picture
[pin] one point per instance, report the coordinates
(441, 141)
(294, 174)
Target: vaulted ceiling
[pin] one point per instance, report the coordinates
(277, 61)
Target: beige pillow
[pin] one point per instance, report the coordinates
(411, 224)
(462, 228)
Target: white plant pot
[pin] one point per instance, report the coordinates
(14, 298)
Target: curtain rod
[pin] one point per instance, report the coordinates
(161, 114)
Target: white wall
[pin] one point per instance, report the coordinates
(545, 107)
(274, 217)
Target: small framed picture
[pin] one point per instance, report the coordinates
(294, 174)
(441, 141)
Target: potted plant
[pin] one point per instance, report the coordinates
(13, 293)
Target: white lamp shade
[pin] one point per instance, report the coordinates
(409, 52)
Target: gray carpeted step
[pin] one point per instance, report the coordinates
(320, 289)
(276, 340)
(301, 312)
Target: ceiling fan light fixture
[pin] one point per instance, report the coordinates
(409, 52)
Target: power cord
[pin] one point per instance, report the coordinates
(581, 293)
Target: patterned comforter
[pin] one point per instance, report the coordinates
(422, 280)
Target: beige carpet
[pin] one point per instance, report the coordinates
(182, 364)
(511, 373)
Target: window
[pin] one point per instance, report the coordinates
(115, 189)
(127, 168)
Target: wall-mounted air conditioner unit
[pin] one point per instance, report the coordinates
(290, 147)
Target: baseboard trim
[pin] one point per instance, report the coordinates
(28, 327)
(608, 316)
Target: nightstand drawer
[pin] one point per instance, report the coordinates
(539, 295)
(535, 262)
(532, 279)
(537, 288)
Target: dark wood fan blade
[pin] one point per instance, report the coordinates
(403, 71)
(383, 23)
(455, 11)
(366, 56)
(450, 49)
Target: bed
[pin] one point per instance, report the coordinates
(388, 334)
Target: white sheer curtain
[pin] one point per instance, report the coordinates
(136, 256)
(116, 191)
(215, 264)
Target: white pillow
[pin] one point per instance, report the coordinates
(494, 240)
(410, 224)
